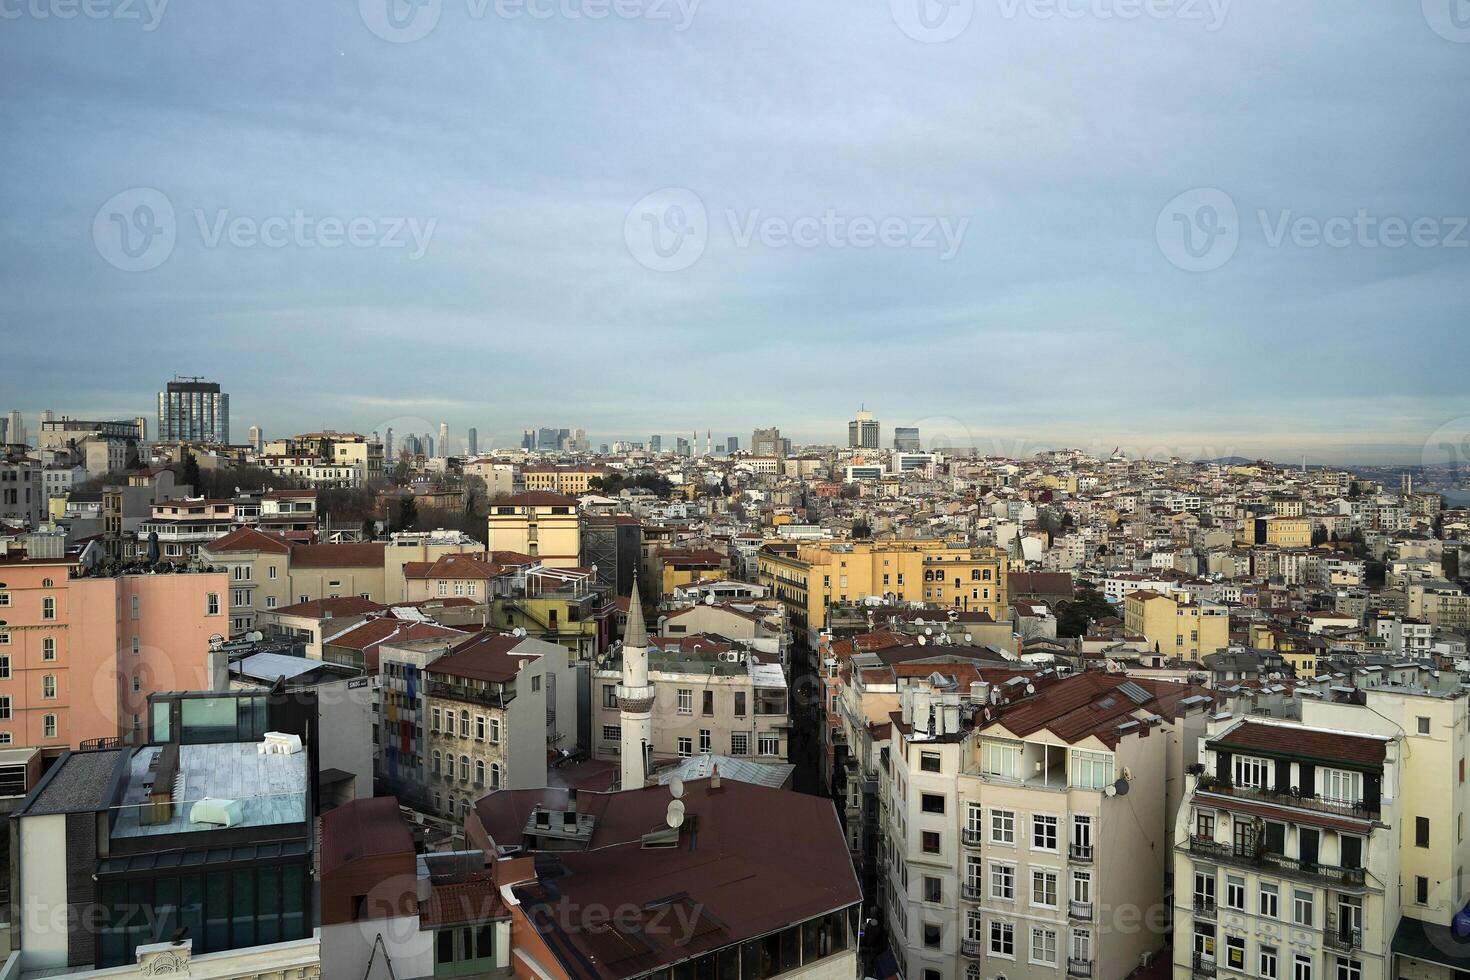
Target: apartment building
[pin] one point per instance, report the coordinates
(497, 704)
(808, 578)
(80, 650)
(569, 480)
(22, 491)
(1025, 824)
(1175, 625)
(259, 570)
(710, 698)
(539, 523)
(326, 571)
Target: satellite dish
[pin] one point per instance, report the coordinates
(216, 641)
(969, 638)
(676, 788)
(675, 817)
(928, 631)
(1110, 790)
(922, 641)
(1030, 688)
(1120, 788)
(709, 600)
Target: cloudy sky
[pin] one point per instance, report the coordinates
(1184, 225)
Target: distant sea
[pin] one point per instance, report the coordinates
(1457, 498)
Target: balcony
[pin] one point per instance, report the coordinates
(1204, 908)
(1201, 966)
(1347, 808)
(1277, 863)
(1080, 853)
(1344, 939)
(972, 893)
(1081, 911)
(972, 838)
(1078, 967)
(970, 947)
(453, 692)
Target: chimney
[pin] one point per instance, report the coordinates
(714, 777)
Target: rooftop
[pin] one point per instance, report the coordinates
(270, 790)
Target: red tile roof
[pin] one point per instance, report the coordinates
(368, 554)
(248, 539)
(1253, 736)
(347, 605)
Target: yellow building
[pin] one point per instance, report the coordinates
(1284, 532)
(561, 479)
(540, 523)
(807, 578)
(685, 566)
(1175, 625)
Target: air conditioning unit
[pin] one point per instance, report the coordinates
(1146, 960)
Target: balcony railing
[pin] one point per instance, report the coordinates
(1080, 910)
(1202, 966)
(972, 838)
(1078, 967)
(1080, 853)
(972, 893)
(1304, 801)
(453, 692)
(1204, 908)
(969, 947)
(1339, 937)
(1280, 863)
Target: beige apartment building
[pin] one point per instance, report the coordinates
(710, 699)
(1176, 625)
(259, 570)
(329, 571)
(571, 480)
(539, 523)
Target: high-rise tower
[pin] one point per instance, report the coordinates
(635, 698)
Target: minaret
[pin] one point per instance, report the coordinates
(635, 697)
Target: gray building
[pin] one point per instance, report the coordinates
(862, 432)
(906, 440)
(193, 410)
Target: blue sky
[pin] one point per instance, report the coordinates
(496, 175)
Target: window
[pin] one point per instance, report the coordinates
(4, 707)
(137, 684)
(1002, 938)
(464, 724)
(48, 607)
(707, 702)
(1423, 722)
(211, 604)
(271, 573)
(609, 695)
(1043, 832)
(48, 648)
(768, 743)
(930, 761)
(1421, 890)
(1235, 893)
(1302, 911)
(536, 683)
(464, 768)
(4, 667)
(1091, 770)
(270, 600)
(480, 728)
(1301, 968)
(48, 686)
(686, 701)
(1002, 826)
(1044, 887)
(686, 746)
(932, 935)
(1000, 758)
(931, 803)
(479, 772)
(48, 726)
(1235, 953)
(933, 890)
(437, 764)
(1341, 786)
(494, 731)
(1270, 901)
(1043, 946)
(931, 842)
(4, 738)
(494, 775)
(740, 743)
(137, 646)
(612, 733)
(4, 638)
(133, 606)
(1421, 831)
(1349, 970)
(739, 704)
(1002, 882)
(1268, 962)
(433, 719)
(705, 746)
(1250, 772)
(4, 598)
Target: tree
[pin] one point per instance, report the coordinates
(190, 475)
(408, 513)
(1319, 536)
(1075, 615)
(861, 529)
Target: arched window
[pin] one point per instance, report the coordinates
(464, 768)
(464, 724)
(972, 972)
(494, 775)
(438, 757)
(46, 583)
(479, 772)
(48, 686)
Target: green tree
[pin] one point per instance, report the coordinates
(1075, 615)
(408, 513)
(190, 474)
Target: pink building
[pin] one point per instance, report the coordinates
(80, 653)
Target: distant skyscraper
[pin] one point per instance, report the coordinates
(443, 438)
(862, 432)
(257, 438)
(906, 440)
(15, 428)
(732, 444)
(472, 441)
(427, 446)
(141, 424)
(48, 416)
(388, 445)
(681, 446)
(528, 439)
(655, 444)
(768, 442)
(193, 410)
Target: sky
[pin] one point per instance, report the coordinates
(1193, 227)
